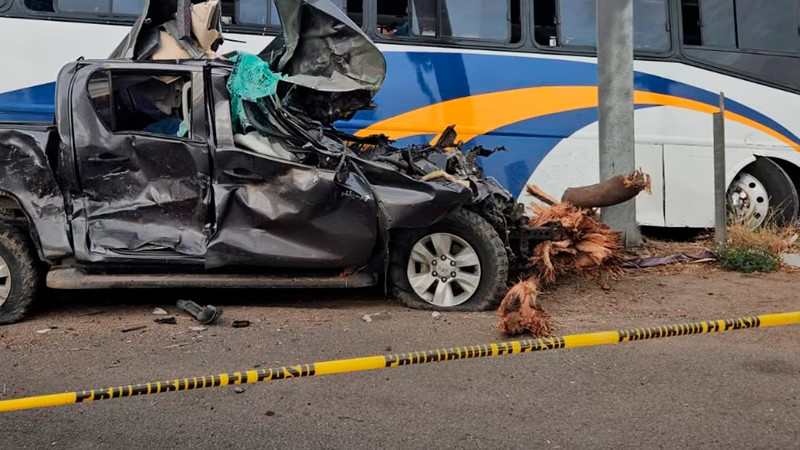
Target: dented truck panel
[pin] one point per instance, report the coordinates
(26, 176)
(274, 213)
(141, 195)
(409, 203)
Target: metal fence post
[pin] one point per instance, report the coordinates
(720, 187)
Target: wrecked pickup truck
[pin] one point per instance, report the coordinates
(166, 174)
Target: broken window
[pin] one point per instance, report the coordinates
(158, 103)
(488, 20)
(573, 23)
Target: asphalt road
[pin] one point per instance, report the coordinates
(738, 389)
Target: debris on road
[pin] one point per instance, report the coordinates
(240, 323)
(205, 315)
(791, 259)
(375, 316)
(45, 330)
(198, 328)
(520, 312)
(238, 390)
(583, 246)
(654, 261)
(436, 315)
(166, 321)
(159, 312)
(140, 327)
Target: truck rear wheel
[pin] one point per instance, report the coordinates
(20, 275)
(458, 264)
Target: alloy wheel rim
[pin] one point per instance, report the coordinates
(5, 281)
(444, 270)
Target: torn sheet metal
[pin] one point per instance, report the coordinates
(173, 29)
(26, 176)
(273, 213)
(334, 67)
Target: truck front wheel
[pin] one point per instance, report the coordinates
(458, 264)
(20, 274)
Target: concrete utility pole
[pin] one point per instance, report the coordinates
(615, 108)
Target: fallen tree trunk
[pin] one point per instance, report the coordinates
(615, 190)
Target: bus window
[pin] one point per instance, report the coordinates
(264, 12)
(573, 23)
(486, 20)
(709, 22)
(256, 12)
(743, 24)
(83, 6)
(133, 7)
(768, 25)
(122, 7)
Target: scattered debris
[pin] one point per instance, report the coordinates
(640, 263)
(159, 312)
(91, 313)
(180, 344)
(791, 259)
(615, 190)
(198, 328)
(375, 316)
(436, 315)
(269, 413)
(140, 327)
(45, 330)
(519, 311)
(240, 323)
(582, 246)
(166, 321)
(238, 389)
(205, 315)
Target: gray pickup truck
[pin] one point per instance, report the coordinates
(142, 183)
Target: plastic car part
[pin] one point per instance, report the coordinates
(205, 315)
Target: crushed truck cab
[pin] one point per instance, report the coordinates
(228, 172)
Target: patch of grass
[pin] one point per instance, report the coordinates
(748, 260)
(758, 250)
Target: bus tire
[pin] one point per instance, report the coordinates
(19, 266)
(780, 205)
(472, 272)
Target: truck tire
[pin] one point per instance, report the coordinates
(20, 273)
(458, 264)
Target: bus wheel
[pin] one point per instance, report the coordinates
(762, 192)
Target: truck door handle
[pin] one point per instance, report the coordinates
(243, 174)
(108, 158)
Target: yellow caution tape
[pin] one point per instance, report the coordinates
(402, 359)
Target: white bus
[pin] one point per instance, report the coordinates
(522, 74)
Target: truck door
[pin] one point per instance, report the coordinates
(275, 212)
(142, 162)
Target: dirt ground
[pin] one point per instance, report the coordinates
(738, 386)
